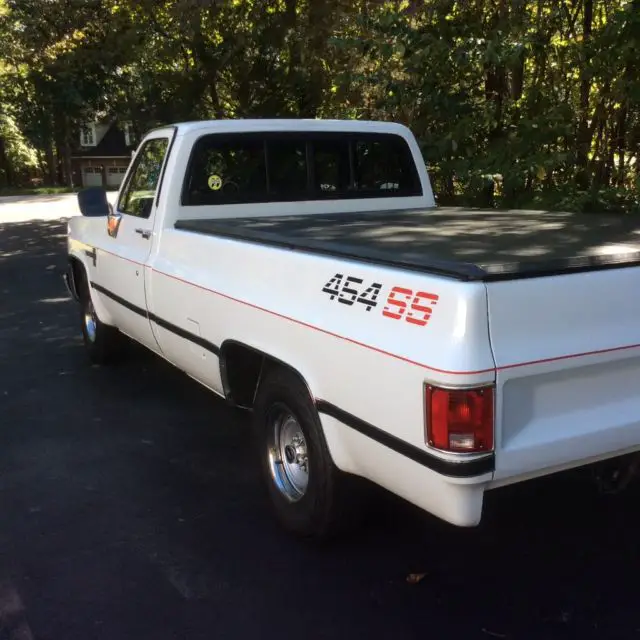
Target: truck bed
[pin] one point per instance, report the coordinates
(466, 244)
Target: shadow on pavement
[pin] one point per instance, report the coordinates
(131, 509)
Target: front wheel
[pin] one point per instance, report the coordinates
(310, 496)
(104, 344)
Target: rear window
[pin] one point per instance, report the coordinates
(381, 165)
(268, 167)
(288, 172)
(332, 167)
(226, 170)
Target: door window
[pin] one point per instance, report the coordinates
(137, 197)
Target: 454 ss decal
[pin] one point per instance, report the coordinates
(414, 307)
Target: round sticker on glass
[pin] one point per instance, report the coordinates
(215, 183)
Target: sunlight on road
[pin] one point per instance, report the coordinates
(52, 207)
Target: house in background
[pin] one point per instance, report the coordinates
(102, 154)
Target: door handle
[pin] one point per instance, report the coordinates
(145, 233)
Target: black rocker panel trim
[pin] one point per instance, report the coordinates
(462, 469)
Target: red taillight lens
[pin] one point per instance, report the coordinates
(459, 420)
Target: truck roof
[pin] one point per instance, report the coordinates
(466, 244)
(288, 124)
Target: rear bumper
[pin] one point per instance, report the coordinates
(456, 498)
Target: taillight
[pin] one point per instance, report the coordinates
(459, 420)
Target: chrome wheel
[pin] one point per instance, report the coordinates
(288, 456)
(90, 321)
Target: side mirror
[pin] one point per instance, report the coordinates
(93, 202)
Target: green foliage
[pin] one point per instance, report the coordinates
(19, 153)
(514, 103)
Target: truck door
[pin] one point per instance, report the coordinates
(120, 277)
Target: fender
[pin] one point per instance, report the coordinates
(262, 357)
(76, 262)
(243, 395)
(241, 369)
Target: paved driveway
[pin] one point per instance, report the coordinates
(130, 509)
(53, 207)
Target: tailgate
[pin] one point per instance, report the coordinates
(567, 352)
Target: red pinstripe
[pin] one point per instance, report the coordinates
(376, 349)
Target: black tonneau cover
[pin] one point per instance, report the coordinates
(466, 244)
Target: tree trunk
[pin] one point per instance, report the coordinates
(496, 86)
(50, 162)
(66, 155)
(6, 171)
(59, 132)
(584, 137)
(207, 66)
(517, 77)
(67, 164)
(621, 145)
(320, 23)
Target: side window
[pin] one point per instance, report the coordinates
(226, 172)
(137, 198)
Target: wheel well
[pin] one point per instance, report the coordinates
(79, 282)
(242, 367)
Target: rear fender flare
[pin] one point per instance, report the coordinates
(332, 432)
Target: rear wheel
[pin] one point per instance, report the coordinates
(309, 495)
(104, 344)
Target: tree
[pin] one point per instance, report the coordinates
(532, 102)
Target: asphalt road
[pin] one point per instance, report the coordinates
(130, 509)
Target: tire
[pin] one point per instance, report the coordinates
(318, 504)
(104, 344)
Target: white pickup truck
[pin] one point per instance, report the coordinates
(301, 269)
